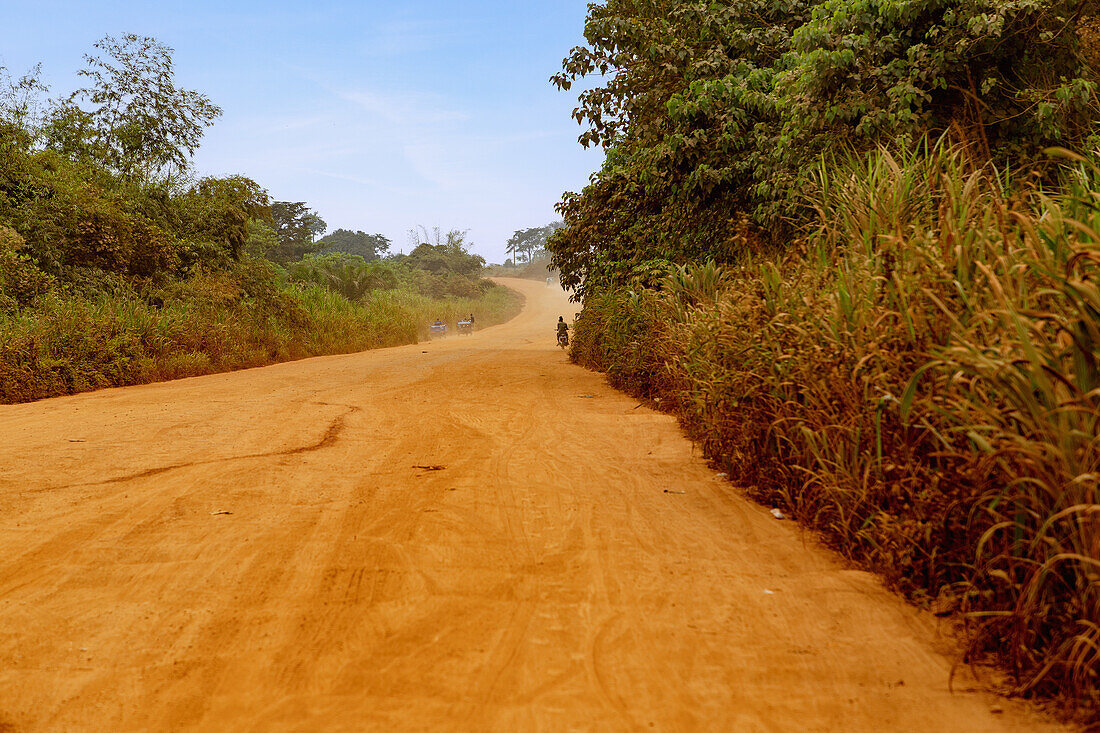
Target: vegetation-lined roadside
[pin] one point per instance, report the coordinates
(211, 322)
(932, 409)
(896, 342)
(119, 266)
(572, 550)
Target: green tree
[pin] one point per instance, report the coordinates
(86, 189)
(529, 244)
(710, 113)
(679, 164)
(219, 211)
(296, 229)
(1008, 77)
(20, 281)
(261, 238)
(449, 256)
(132, 116)
(21, 100)
(349, 275)
(368, 246)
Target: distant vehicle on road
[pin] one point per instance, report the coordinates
(465, 328)
(438, 329)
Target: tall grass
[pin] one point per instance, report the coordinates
(918, 379)
(70, 343)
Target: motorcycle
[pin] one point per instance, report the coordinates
(563, 338)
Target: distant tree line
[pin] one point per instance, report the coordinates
(526, 245)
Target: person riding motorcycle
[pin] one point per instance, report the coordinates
(563, 331)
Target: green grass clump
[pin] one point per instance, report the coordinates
(919, 380)
(73, 341)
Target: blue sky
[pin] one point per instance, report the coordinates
(382, 115)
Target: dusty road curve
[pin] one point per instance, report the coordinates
(261, 551)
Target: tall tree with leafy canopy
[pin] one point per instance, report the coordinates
(21, 101)
(219, 211)
(131, 116)
(1006, 77)
(368, 246)
(296, 230)
(675, 178)
(527, 244)
(711, 112)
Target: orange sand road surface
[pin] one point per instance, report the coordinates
(263, 550)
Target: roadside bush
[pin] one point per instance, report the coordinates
(20, 281)
(115, 241)
(917, 380)
(449, 285)
(100, 332)
(350, 275)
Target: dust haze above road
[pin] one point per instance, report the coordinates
(466, 534)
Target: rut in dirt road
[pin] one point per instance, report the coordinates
(266, 550)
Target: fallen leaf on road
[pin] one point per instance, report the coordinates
(431, 468)
(220, 511)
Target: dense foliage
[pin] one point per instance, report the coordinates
(99, 194)
(711, 113)
(919, 381)
(296, 228)
(450, 258)
(368, 246)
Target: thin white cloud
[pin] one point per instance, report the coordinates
(404, 37)
(360, 180)
(405, 108)
(402, 108)
(299, 122)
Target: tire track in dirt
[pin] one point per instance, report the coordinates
(330, 436)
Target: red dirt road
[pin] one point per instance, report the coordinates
(264, 550)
